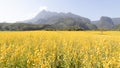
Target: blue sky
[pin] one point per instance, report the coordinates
(17, 10)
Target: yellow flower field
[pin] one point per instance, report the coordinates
(60, 49)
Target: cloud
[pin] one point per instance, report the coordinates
(43, 8)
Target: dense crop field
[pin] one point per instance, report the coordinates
(60, 49)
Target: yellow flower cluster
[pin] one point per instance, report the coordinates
(60, 49)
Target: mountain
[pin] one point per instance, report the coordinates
(104, 23)
(47, 20)
(116, 21)
(110, 23)
(117, 27)
(62, 20)
(41, 17)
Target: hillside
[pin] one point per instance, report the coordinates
(47, 20)
(107, 23)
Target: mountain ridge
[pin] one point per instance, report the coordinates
(47, 20)
(63, 20)
(110, 23)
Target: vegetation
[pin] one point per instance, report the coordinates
(19, 26)
(59, 49)
(26, 27)
(117, 27)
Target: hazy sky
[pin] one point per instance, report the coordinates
(17, 10)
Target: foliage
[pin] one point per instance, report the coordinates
(26, 27)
